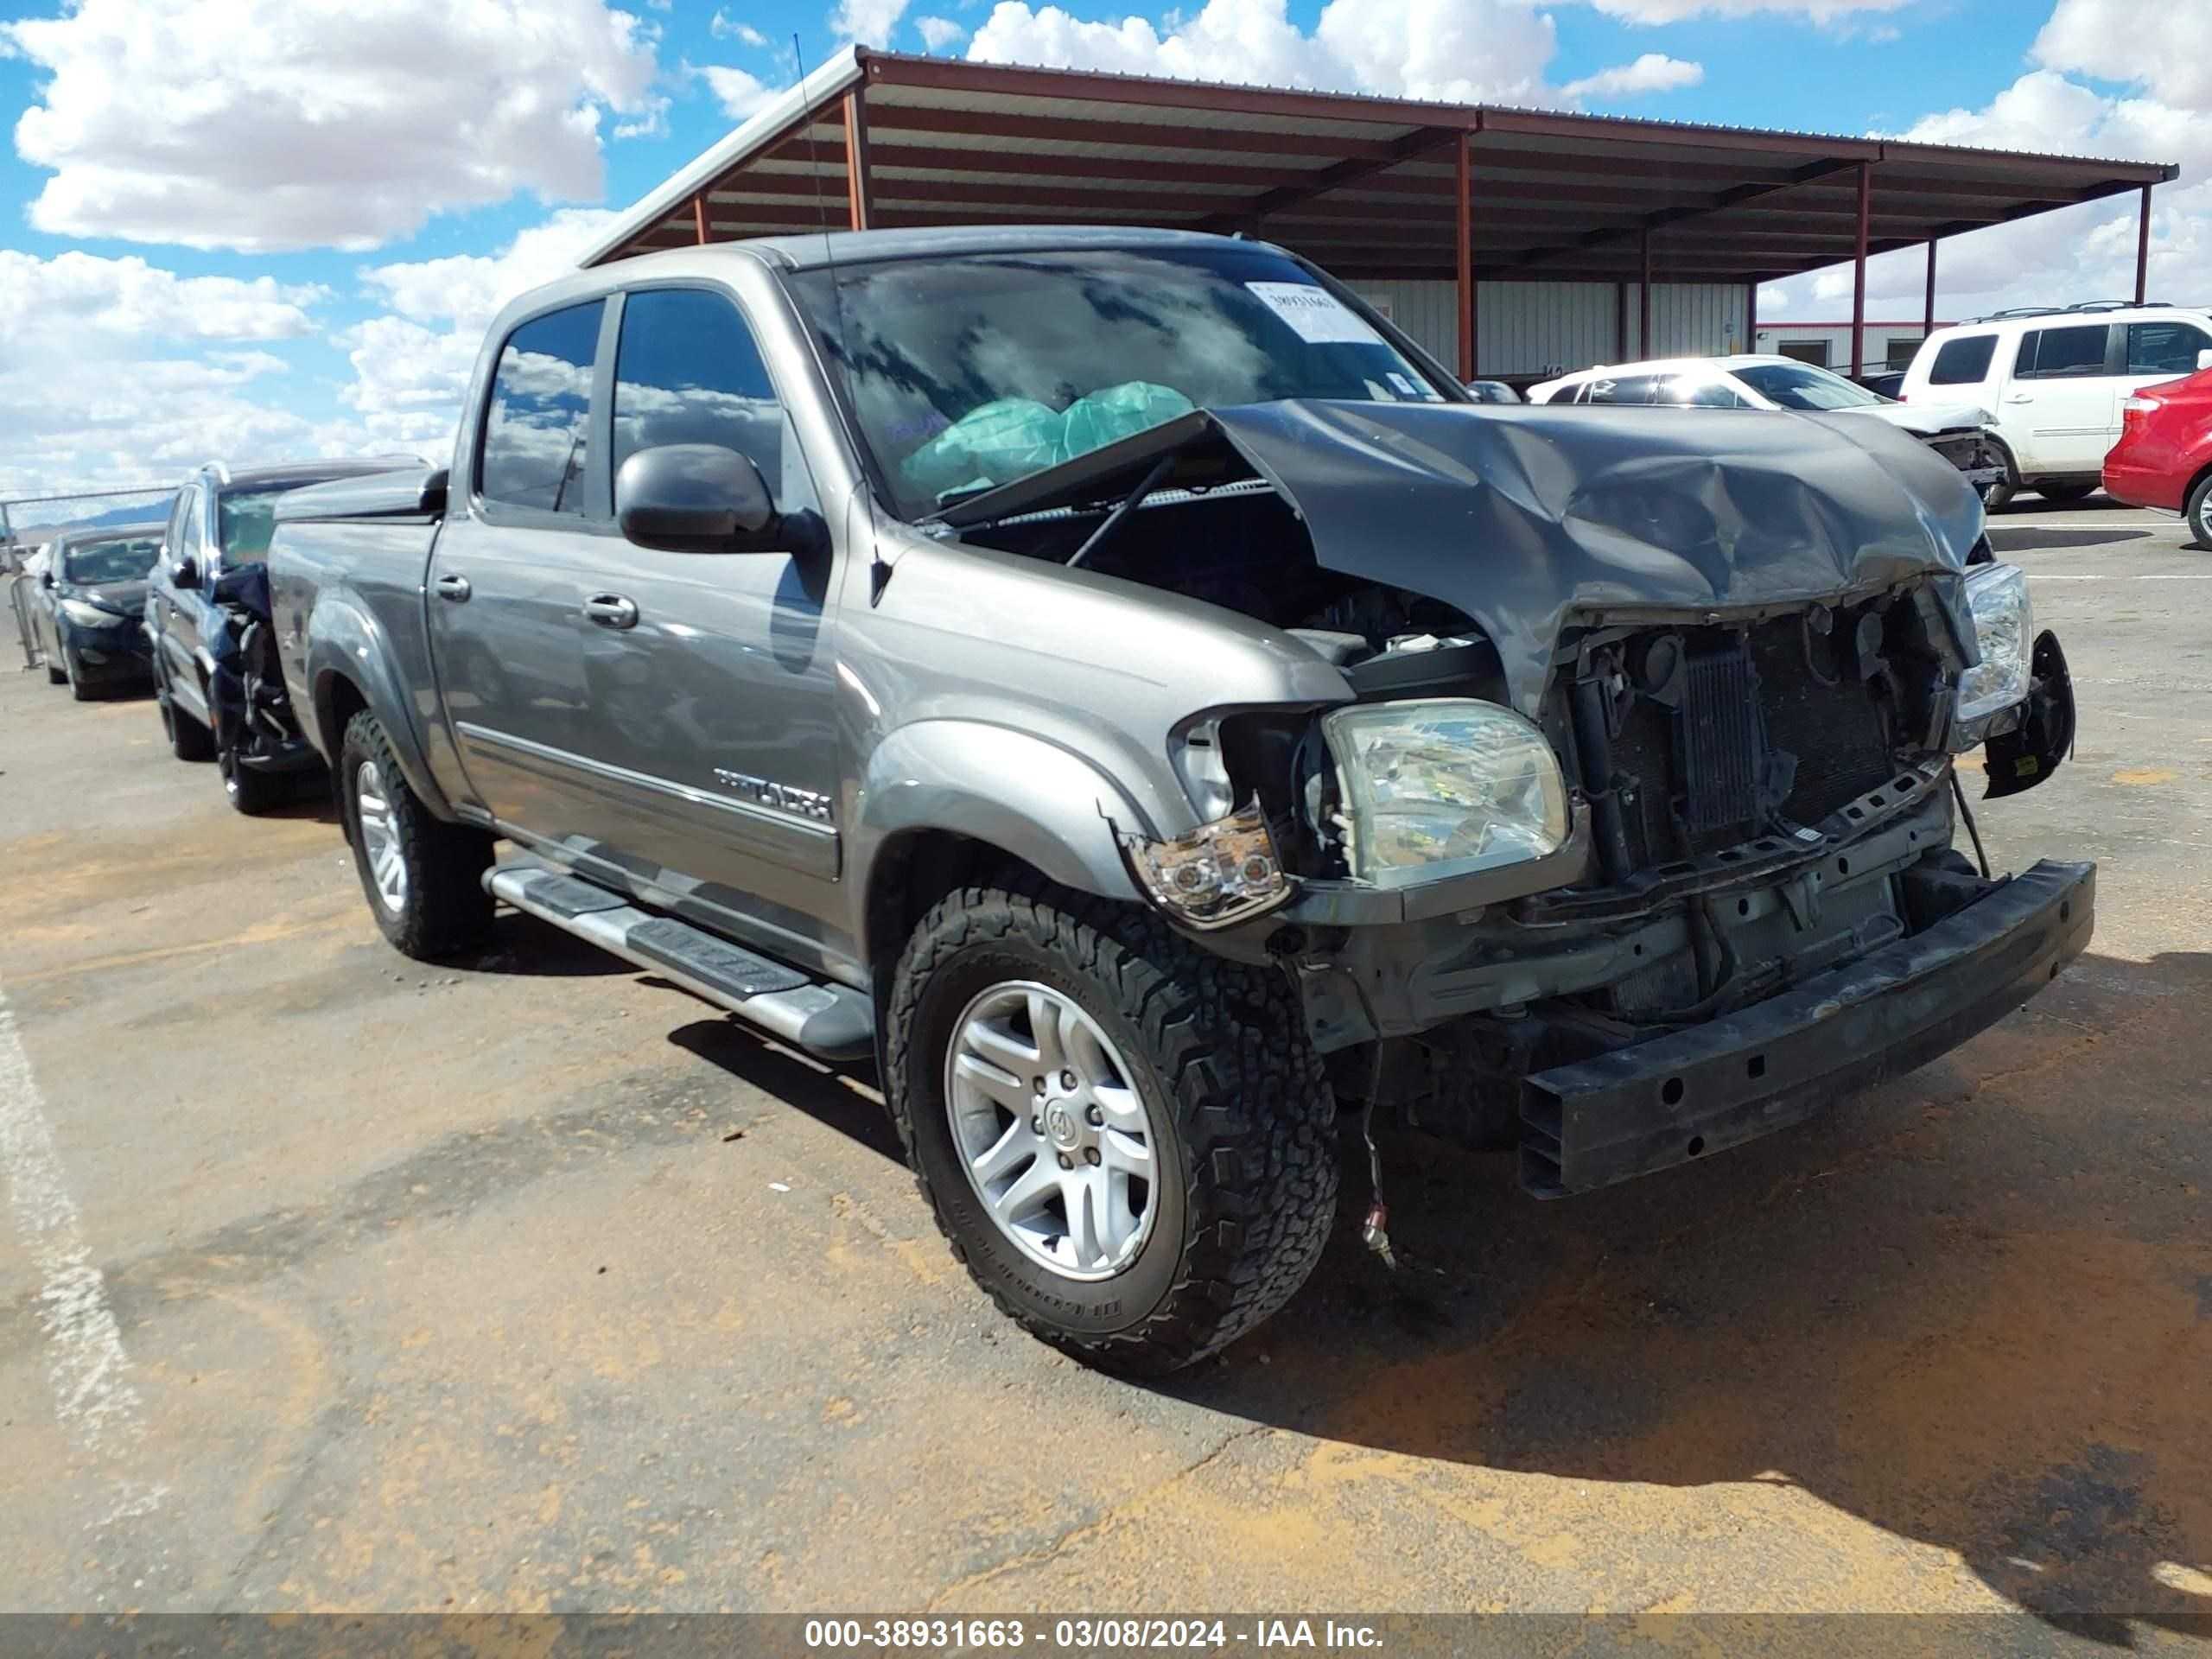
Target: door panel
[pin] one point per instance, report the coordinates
(716, 698)
(505, 622)
(2060, 398)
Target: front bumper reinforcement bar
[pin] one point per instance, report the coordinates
(1663, 1102)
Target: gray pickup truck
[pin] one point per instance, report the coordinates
(1120, 685)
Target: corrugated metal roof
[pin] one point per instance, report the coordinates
(1352, 178)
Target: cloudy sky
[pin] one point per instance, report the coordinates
(255, 228)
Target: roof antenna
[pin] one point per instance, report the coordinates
(878, 572)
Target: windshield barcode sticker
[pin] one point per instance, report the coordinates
(1317, 317)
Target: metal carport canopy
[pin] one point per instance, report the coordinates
(1367, 187)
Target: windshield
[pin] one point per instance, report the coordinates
(111, 561)
(245, 519)
(1801, 385)
(966, 371)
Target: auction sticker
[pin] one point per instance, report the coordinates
(1318, 317)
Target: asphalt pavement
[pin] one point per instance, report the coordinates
(331, 1281)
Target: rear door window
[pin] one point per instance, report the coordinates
(1963, 362)
(2165, 347)
(2071, 353)
(537, 424)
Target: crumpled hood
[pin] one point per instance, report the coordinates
(1523, 515)
(1926, 419)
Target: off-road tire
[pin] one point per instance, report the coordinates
(447, 910)
(1219, 1050)
(188, 739)
(252, 793)
(2063, 494)
(2199, 512)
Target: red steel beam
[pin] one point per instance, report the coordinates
(1463, 201)
(699, 216)
(2143, 248)
(856, 176)
(1643, 293)
(1859, 274)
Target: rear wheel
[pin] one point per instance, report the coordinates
(1128, 1140)
(188, 739)
(2075, 492)
(424, 876)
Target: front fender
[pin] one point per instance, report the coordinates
(1010, 789)
(347, 644)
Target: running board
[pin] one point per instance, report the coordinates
(831, 1020)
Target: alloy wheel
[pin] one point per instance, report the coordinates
(1057, 1139)
(381, 838)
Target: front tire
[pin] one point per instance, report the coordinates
(55, 674)
(79, 691)
(422, 875)
(1173, 1180)
(2199, 512)
(251, 792)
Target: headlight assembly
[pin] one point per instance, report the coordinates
(91, 616)
(1996, 597)
(1221, 872)
(1443, 786)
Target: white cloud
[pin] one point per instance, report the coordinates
(411, 366)
(1453, 49)
(1677, 11)
(62, 308)
(262, 124)
(1655, 72)
(723, 27)
(740, 93)
(938, 33)
(2169, 56)
(2075, 253)
(869, 22)
(98, 384)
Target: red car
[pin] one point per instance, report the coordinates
(2163, 458)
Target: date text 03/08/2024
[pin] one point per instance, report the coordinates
(1086, 1634)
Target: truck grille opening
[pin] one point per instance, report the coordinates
(1712, 732)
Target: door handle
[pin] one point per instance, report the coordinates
(455, 588)
(610, 611)
(2020, 398)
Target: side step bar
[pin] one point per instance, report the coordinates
(831, 1020)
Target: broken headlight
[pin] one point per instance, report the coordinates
(1443, 786)
(1221, 872)
(1996, 597)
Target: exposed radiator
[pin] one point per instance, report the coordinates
(1720, 745)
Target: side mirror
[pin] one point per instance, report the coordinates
(696, 497)
(2204, 358)
(184, 572)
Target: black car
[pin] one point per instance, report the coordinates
(207, 613)
(85, 614)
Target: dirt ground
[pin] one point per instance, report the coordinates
(334, 1281)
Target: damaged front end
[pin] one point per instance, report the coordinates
(1632, 837)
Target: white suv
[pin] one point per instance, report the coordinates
(2053, 381)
